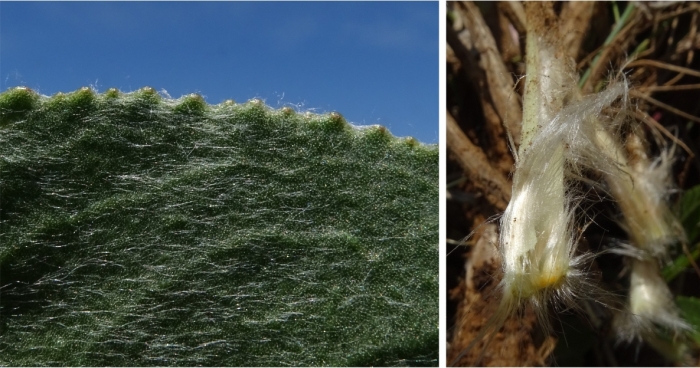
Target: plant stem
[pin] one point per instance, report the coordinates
(618, 26)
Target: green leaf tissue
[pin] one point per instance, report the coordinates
(146, 231)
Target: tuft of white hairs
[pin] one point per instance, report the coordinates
(563, 136)
(541, 266)
(642, 195)
(650, 305)
(641, 190)
(537, 240)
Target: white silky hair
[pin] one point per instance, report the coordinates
(538, 241)
(537, 229)
(642, 196)
(537, 238)
(650, 305)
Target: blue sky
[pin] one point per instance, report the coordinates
(374, 62)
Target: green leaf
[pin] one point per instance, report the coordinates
(16, 103)
(690, 308)
(142, 231)
(690, 213)
(679, 264)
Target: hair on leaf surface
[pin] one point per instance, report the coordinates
(137, 233)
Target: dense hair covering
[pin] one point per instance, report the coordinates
(140, 230)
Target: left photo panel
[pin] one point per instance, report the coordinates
(219, 184)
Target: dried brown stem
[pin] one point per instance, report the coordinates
(675, 80)
(510, 45)
(663, 65)
(665, 106)
(476, 166)
(575, 20)
(515, 13)
(496, 147)
(608, 53)
(643, 116)
(683, 87)
(692, 7)
(499, 81)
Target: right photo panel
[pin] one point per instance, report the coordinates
(573, 187)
